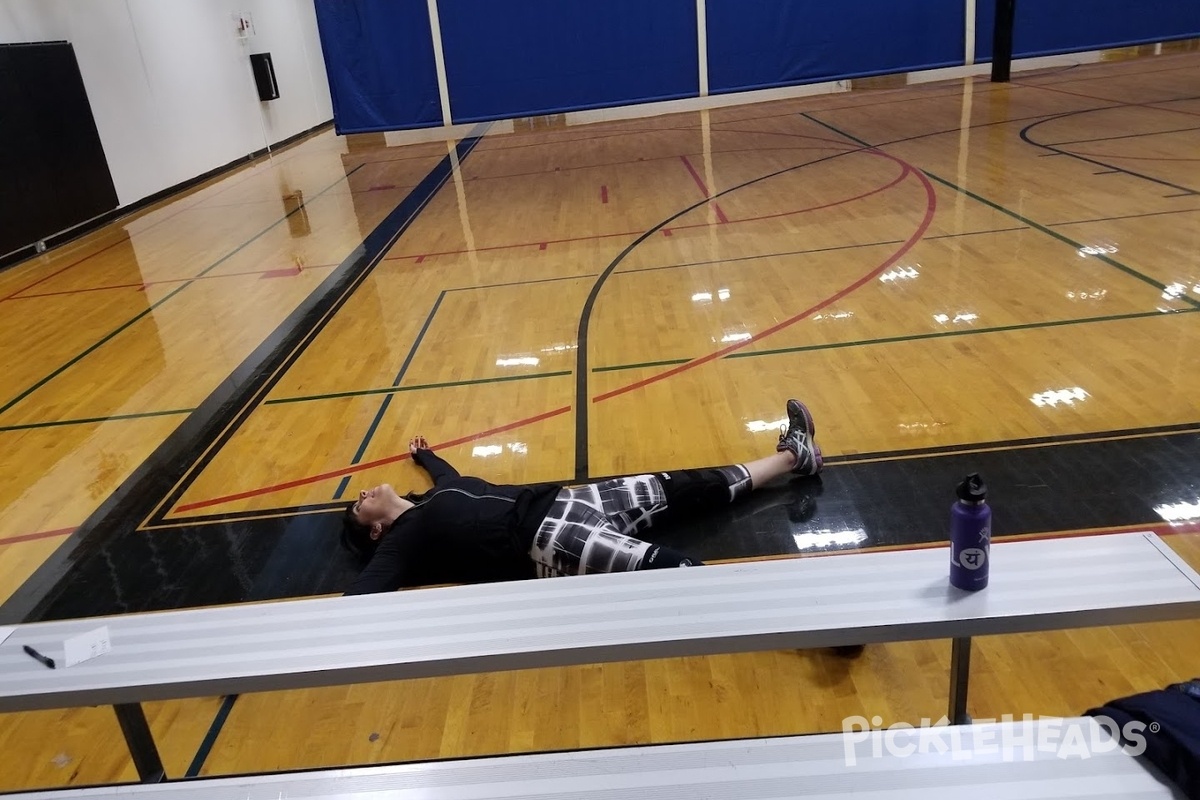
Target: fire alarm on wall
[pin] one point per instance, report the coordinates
(243, 24)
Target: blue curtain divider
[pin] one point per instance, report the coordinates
(379, 59)
(516, 58)
(769, 43)
(1053, 27)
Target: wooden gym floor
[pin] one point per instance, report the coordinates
(954, 276)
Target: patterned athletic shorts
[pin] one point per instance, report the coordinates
(587, 529)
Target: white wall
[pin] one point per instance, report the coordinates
(170, 84)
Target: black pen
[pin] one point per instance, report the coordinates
(47, 660)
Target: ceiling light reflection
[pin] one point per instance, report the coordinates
(838, 315)
(1097, 250)
(899, 274)
(966, 316)
(735, 337)
(824, 539)
(1174, 291)
(761, 425)
(706, 297)
(1053, 397)
(488, 450)
(1179, 512)
(518, 361)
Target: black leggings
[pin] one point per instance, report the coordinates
(588, 528)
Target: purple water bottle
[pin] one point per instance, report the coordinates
(970, 535)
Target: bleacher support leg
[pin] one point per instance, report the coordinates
(140, 742)
(960, 674)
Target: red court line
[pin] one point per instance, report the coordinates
(30, 537)
(337, 473)
(930, 210)
(603, 194)
(704, 188)
(922, 228)
(539, 243)
(64, 269)
(79, 291)
(272, 273)
(649, 160)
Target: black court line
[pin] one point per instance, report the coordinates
(1112, 262)
(911, 337)
(1019, 444)
(159, 481)
(113, 334)
(582, 400)
(210, 738)
(1124, 136)
(387, 400)
(995, 445)
(1123, 217)
(1027, 138)
(1035, 488)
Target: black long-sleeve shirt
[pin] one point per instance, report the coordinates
(465, 530)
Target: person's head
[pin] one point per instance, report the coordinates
(369, 517)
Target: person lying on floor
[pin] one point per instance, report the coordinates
(466, 530)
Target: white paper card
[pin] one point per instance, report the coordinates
(6, 631)
(87, 646)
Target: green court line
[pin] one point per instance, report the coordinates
(417, 387)
(670, 363)
(1112, 262)
(908, 338)
(153, 306)
(57, 423)
(622, 367)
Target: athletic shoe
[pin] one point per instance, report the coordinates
(798, 439)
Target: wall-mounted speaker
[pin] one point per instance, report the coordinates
(264, 76)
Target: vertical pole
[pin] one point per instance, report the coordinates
(960, 673)
(140, 742)
(1002, 40)
(439, 63)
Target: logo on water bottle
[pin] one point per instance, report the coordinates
(972, 558)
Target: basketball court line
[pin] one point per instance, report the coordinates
(253, 171)
(387, 400)
(1152, 104)
(1040, 227)
(1124, 136)
(912, 337)
(1063, 223)
(581, 373)
(478, 381)
(113, 334)
(269, 272)
(1028, 138)
(152, 484)
(1112, 262)
(541, 242)
(620, 367)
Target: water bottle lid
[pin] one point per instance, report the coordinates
(972, 489)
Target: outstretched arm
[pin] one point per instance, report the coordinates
(437, 468)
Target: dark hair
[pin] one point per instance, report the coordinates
(356, 537)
